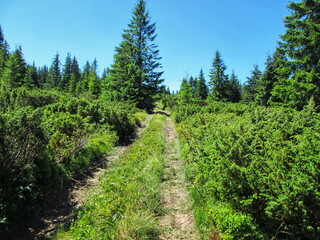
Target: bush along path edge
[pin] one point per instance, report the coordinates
(126, 202)
(63, 205)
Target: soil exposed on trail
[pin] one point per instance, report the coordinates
(61, 208)
(177, 221)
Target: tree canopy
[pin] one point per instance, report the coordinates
(134, 75)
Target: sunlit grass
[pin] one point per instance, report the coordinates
(127, 201)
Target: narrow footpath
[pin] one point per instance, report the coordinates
(177, 221)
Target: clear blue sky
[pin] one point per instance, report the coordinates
(189, 32)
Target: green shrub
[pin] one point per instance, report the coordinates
(263, 163)
(49, 136)
(91, 153)
(22, 97)
(22, 147)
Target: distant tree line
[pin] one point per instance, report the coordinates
(134, 76)
(292, 73)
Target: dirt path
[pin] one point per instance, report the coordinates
(177, 221)
(60, 209)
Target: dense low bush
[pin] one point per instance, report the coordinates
(23, 97)
(258, 169)
(23, 152)
(119, 116)
(182, 112)
(47, 137)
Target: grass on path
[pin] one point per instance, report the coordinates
(177, 221)
(127, 200)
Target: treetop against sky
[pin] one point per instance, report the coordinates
(189, 32)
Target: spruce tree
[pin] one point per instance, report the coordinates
(193, 83)
(106, 73)
(14, 73)
(134, 75)
(54, 75)
(31, 78)
(274, 73)
(184, 96)
(234, 90)
(93, 79)
(42, 76)
(4, 52)
(218, 78)
(201, 87)
(250, 88)
(301, 43)
(66, 73)
(82, 85)
(75, 76)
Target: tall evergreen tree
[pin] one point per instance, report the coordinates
(275, 71)
(185, 96)
(301, 43)
(4, 52)
(134, 75)
(193, 84)
(105, 79)
(82, 85)
(66, 73)
(250, 88)
(201, 87)
(93, 80)
(234, 89)
(54, 75)
(43, 76)
(75, 76)
(106, 73)
(15, 70)
(218, 78)
(31, 78)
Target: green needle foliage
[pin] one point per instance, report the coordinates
(301, 44)
(201, 90)
(254, 171)
(134, 75)
(218, 78)
(14, 73)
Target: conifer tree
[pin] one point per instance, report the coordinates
(218, 78)
(250, 88)
(168, 91)
(201, 87)
(82, 85)
(192, 84)
(105, 79)
(31, 78)
(42, 76)
(106, 73)
(4, 52)
(184, 96)
(75, 76)
(301, 43)
(93, 80)
(54, 75)
(234, 90)
(15, 70)
(66, 73)
(134, 75)
(275, 71)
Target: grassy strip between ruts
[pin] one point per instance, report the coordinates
(127, 200)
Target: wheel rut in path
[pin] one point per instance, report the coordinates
(177, 222)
